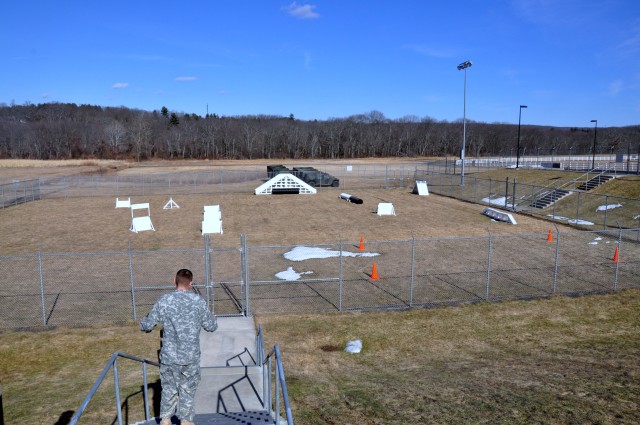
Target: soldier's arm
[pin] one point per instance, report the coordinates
(150, 320)
(209, 321)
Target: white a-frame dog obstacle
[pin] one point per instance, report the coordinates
(141, 223)
(285, 183)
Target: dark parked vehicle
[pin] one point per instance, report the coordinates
(309, 175)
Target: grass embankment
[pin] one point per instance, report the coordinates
(552, 361)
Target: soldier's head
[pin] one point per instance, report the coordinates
(183, 278)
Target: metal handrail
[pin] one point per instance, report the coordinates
(112, 363)
(280, 386)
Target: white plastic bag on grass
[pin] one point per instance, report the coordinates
(354, 346)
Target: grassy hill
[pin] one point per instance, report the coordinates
(553, 361)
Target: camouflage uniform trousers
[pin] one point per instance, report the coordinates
(179, 384)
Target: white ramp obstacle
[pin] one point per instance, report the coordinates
(212, 219)
(386, 209)
(141, 223)
(499, 215)
(124, 203)
(421, 188)
(285, 183)
(170, 204)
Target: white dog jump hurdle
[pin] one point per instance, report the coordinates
(124, 203)
(141, 223)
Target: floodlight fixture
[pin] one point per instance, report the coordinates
(464, 65)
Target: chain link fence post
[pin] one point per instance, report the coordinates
(133, 288)
(413, 262)
(555, 268)
(489, 264)
(44, 312)
(247, 309)
(340, 277)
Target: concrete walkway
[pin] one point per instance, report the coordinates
(230, 377)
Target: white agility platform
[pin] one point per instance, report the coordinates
(421, 188)
(141, 223)
(285, 181)
(124, 203)
(212, 219)
(499, 215)
(170, 205)
(386, 209)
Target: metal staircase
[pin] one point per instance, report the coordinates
(551, 197)
(595, 182)
(238, 386)
(546, 198)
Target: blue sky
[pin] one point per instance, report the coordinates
(569, 61)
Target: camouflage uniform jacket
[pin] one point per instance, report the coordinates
(182, 314)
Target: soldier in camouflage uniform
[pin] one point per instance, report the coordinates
(182, 313)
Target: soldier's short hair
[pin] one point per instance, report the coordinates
(184, 276)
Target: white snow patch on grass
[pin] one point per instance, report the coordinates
(291, 274)
(571, 220)
(608, 207)
(497, 201)
(300, 253)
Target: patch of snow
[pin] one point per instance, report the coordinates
(291, 274)
(608, 207)
(583, 222)
(593, 243)
(636, 217)
(354, 346)
(300, 253)
(570, 220)
(497, 201)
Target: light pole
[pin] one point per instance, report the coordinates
(518, 146)
(464, 65)
(595, 134)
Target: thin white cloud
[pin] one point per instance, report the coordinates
(147, 58)
(307, 61)
(305, 11)
(631, 45)
(615, 87)
(429, 51)
(186, 78)
(118, 86)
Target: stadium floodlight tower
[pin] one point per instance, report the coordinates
(463, 66)
(593, 154)
(518, 146)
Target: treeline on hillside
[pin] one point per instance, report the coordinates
(59, 131)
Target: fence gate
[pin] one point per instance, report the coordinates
(224, 282)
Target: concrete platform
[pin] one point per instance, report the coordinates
(233, 336)
(231, 380)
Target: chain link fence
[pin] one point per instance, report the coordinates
(577, 207)
(108, 287)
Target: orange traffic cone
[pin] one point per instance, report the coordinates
(361, 246)
(374, 272)
(615, 256)
(550, 236)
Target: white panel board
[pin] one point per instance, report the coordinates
(386, 209)
(421, 188)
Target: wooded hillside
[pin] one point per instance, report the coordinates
(63, 131)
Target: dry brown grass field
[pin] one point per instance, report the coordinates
(94, 224)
